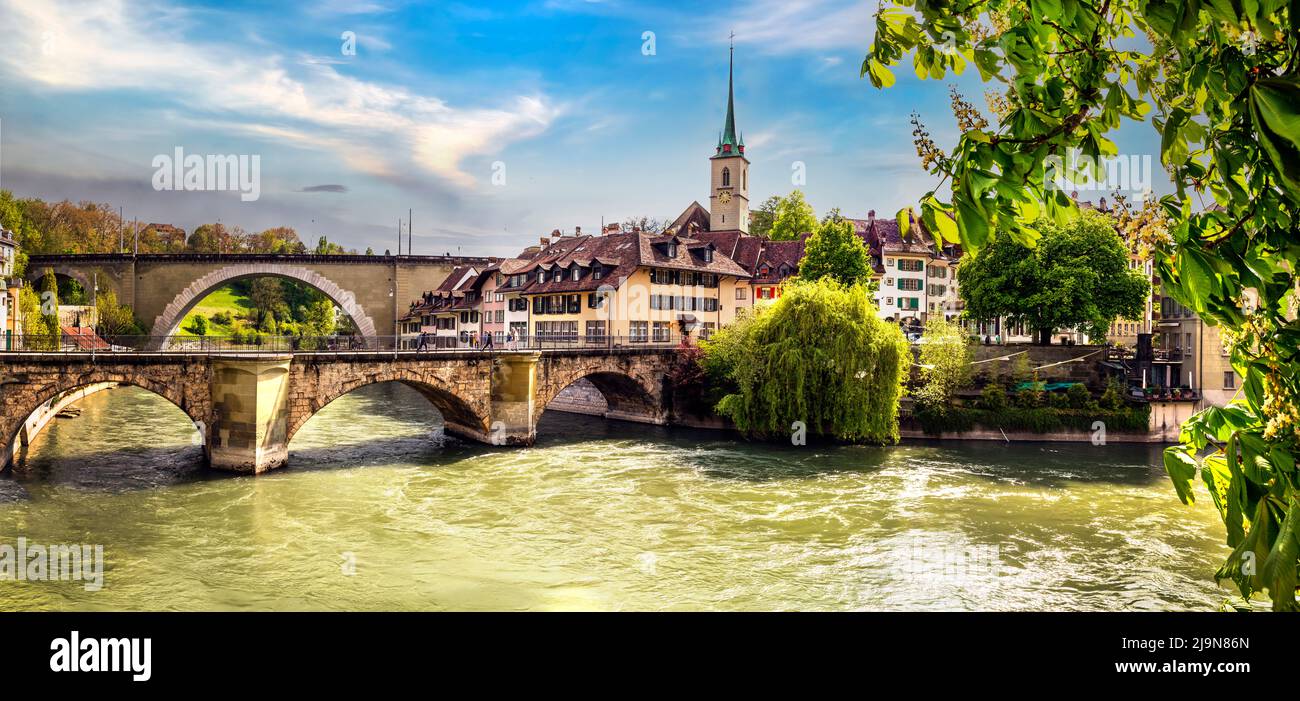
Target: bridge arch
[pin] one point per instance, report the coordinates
(458, 414)
(167, 323)
(631, 391)
(37, 277)
(14, 415)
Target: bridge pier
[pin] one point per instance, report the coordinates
(250, 414)
(514, 385)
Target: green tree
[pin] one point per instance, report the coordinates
(819, 355)
(1220, 82)
(114, 319)
(50, 301)
(317, 319)
(266, 295)
(835, 252)
(325, 248)
(760, 220)
(793, 218)
(37, 331)
(206, 238)
(945, 364)
(1077, 276)
(199, 325)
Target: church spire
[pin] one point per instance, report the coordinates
(730, 144)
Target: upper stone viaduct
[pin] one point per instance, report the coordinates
(163, 288)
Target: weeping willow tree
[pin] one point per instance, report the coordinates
(818, 355)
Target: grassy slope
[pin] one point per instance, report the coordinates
(223, 300)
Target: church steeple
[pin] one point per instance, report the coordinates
(728, 143)
(729, 201)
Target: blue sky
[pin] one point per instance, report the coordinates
(558, 91)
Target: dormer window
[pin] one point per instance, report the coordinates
(671, 250)
(764, 270)
(708, 254)
(541, 276)
(577, 272)
(596, 272)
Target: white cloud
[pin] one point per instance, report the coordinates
(792, 26)
(378, 129)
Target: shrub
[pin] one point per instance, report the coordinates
(1079, 396)
(1113, 398)
(994, 397)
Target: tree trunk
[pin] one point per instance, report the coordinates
(1044, 337)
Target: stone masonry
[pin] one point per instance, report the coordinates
(248, 407)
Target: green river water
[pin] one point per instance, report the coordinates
(377, 511)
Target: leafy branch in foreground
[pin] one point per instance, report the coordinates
(1218, 81)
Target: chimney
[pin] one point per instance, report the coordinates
(577, 231)
(871, 214)
(544, 241)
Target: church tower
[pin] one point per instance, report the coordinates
(729, 193)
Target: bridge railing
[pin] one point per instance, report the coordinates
(89, 344)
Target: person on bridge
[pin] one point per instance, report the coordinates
(487, 340)
(424, 342)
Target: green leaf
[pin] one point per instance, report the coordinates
(1282, 458)
(972, 223)
(880, 75)
(1182, 470)
(1275, 114)
(904, 218)
(1197, 277)
(1279, 569)
(937, 220)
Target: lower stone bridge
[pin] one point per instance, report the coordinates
(247, 407)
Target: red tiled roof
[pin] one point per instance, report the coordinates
(84, 338)
(779, 256)
(620, 254)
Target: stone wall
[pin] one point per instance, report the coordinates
(581, 397)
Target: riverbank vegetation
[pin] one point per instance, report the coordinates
(1034, 411)
(818, 358)
(1220, 83)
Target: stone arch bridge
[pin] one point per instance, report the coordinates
(248, 406)
(163, 288)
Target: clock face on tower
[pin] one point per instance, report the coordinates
(724, 196)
